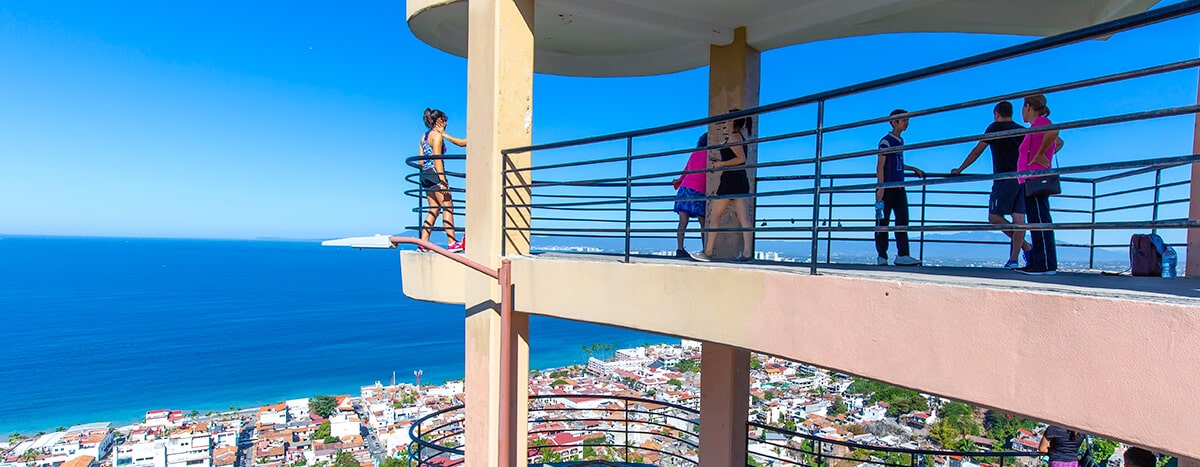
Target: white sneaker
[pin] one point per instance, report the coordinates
(907, 261)
(700, 256)
(881, 261)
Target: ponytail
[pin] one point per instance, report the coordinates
(432, 116)
(1037, 102)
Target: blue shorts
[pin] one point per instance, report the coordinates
(694, 207)
(1008, 197)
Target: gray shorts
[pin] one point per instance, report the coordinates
(1008, 197)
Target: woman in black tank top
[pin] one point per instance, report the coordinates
(733, 182)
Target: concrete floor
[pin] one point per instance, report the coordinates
(1182, 291)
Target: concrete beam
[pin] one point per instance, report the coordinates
(499, 115)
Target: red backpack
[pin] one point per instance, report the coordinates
(1144, 258)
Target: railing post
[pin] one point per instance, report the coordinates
(1092, 243)
(628, 195)
(1157, 189)
(626, 440)
(921, 240)
(816, 218)
(829, 223)
(820, 453)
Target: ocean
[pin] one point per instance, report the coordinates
(104, 329)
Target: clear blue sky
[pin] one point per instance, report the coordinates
(285, 119)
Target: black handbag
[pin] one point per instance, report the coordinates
(1046, 185)
(1042, 186)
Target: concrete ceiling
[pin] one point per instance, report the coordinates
(648, 37)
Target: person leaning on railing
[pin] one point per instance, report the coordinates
(733, 182)
(1062, 446)
(1007, 196)
(1036, 152)
(689, 199)
(433, 178)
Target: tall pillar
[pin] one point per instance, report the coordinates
(1192, 268)
(499, 116)
(733, 81)
(724, 404)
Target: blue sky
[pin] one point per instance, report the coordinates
(279, 119)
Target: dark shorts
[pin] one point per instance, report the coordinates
(690, 202)
(430, 179)
(1008, 197)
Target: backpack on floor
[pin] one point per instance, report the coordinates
(1144, 256)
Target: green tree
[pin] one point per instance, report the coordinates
(675, 382)
(344, 459)
(1103, 448)
(789, 425)
(755, 363)
(29, 456)
(301, 462)
(194, 414)
(687, 365)
(752, 462)
(15, 438)
(1003, 427)
(322, 405)
(559, 382)
(838, 407)
(324, 433)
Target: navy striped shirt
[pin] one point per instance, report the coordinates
(893, 166)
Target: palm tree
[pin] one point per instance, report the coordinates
(15, 437)
(29, 456)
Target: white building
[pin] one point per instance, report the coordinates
(273, 415)
(190, 448)
(342, 425)
(297, 409)
(143, 454)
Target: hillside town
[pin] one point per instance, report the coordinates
(637, 404)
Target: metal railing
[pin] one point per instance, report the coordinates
(617, 201)
(616, 428)
(799, 449)
(630, 429)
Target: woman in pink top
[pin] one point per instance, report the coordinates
(1036, 152)
(689, 200)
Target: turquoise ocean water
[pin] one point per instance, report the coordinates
(104, 329)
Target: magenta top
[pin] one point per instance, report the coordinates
(696, 181)
(1029, 147)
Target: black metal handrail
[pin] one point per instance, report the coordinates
(597, 203)
(822, 450)
(1157, 15)
(635, 414)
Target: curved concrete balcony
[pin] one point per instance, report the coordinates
(628, 38)
(1080, 349)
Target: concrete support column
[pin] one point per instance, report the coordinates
(724, 404)
(733, 82)
(499, 116)
(1192, 268)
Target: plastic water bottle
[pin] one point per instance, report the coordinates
(879, 210)
(1169, 261)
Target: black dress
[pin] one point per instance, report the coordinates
(733, 182)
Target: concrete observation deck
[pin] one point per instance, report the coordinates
(1054, 348)
(629, 38)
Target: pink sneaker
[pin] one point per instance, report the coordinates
(455, 247)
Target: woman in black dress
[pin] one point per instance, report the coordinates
(733, 182)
